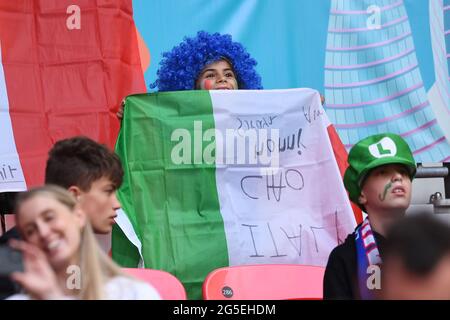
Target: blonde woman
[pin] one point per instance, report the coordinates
(62, 259)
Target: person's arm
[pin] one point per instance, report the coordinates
(119, 113)
(336, 283)
(322, 99)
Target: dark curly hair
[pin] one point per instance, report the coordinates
(80, 161)
(180, 67)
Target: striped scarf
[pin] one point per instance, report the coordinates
(367, 255)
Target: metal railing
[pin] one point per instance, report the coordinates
(441, 203)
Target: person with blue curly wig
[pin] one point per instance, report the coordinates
(207, 61)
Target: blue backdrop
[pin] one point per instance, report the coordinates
(381, 64)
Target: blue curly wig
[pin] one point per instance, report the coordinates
(180, 68)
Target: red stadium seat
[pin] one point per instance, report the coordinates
(168, 286)
(264, 282)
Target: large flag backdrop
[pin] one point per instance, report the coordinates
(193, 206)
(382, 65)
(65, 67)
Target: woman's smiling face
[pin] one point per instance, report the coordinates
(53, 227)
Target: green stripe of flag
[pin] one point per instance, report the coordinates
(167, 203)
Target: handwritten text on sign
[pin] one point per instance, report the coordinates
(296, 212)
(11, 175)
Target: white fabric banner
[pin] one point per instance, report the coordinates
(11, 174)
(296, 213)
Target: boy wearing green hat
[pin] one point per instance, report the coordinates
(378, 179)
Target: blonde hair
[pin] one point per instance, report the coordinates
(96, 267)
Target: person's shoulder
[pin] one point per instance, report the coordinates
(19, 296)
(126, 288)
(345, 248)
(12, 233)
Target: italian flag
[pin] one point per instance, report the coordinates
(64, 70)
(194, 200)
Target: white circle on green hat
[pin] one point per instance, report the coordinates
(384, 148)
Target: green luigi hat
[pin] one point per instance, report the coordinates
(372, 152)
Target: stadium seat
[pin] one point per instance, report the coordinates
(168, 286)
(264, 282)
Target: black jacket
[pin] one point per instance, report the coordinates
(7, 287)
(341, 274)
(10, 234)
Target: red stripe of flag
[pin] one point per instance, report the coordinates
(341, 158)
(64, 82)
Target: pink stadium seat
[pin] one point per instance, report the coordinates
(168, 286)
(264, 282)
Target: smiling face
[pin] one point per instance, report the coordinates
(217, 76)
(99, 203)
(53, 227)
(387, 189)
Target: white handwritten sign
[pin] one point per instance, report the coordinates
(11, 175)
(297, 212)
